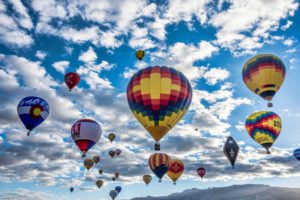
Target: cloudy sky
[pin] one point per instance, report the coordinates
(209, 41)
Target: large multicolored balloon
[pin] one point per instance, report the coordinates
(147, 179)
(264, 127)
(201, 172)
(86, 133)
(231, 150)
(159, 97)
(32, 112)
(118, 189)
(72, 79)
(99, 183)
(297, 154)
(160, 163)
(96, 159)
(113, 194)
(111, 137)
(176, 170)
(264, 75)
(88, 163)
(139, 54)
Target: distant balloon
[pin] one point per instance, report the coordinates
(118, 152)
(111, 137)
(231, 150)
(201, 172)
(117, 174)
(297, 154)
(140, 54)
(264, 127)
(100, 171)
(32, 112)
(86, 133)
(72, 79)
(159, 163)
(88, 163)
(264, 75)
(71, 189)
(99, 183)
(112, 153)
(113, 178)
(158, 98)
(96, 159)
(113, 194)
(147, 178)
(176, 170)
(118, 189)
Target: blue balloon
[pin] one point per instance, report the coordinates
(33, 111)
(297, 154)
(113, 194)
(118, 189)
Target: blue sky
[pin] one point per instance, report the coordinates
(208, 41)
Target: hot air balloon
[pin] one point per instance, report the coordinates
(88, 163)
(264, 127)
(96, 159)
(71, 189)
(297, 154)
(231, 150)
(117, 174)
(86, 133)
(159, 163)
(32, 112)
(100, 171)
(139, 54)
(113, 178)
(111, 137)
(99, 183)
(118, 152)
(113, 194)
(264, 75)
(112, 153)
(118, 189)
(159, 97)
(147, 179)
(201, 172)
(176, 170)
(72, 79)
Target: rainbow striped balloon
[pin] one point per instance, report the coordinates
(160, 163)
(264, 127)
(264, 75)
(159, 97)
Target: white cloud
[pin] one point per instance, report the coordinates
(288, 42)
(89, 56)
(24, 19)
(61, 66)
(215, 75)
(287, 25)
(40, 55)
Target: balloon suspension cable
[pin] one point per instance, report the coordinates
(270, 104)
(28, 133)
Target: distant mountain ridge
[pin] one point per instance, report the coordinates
(234, 192)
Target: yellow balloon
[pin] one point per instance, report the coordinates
(176, 170)
(140, 54)
(147, 179)
(99, 183)
(88, 163)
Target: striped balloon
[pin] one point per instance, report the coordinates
(176, 170)
(264, 75)
(159, 97)
(297, 154)
(86, 133)
(264, 127)
(159, 163)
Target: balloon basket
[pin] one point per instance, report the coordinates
(157, 147)
(28, 133)
(270, 105)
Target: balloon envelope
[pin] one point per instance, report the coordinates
(264, 75)
(147, 178)
(111, 137)
(33, 111)
(159, 163)
(297, 154)
(159, 97)
(113, 194)
(99, 183)
(72, 79)
(100, 171)
(96, 159)
(118, 152)
(88, 163)
(86, 133)
(71, 189)
(231, 150)
(118, 189)
(201, 171)
(140, 54)
(176, 169)
(264, 127)
(112, 153)
(117, 174)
